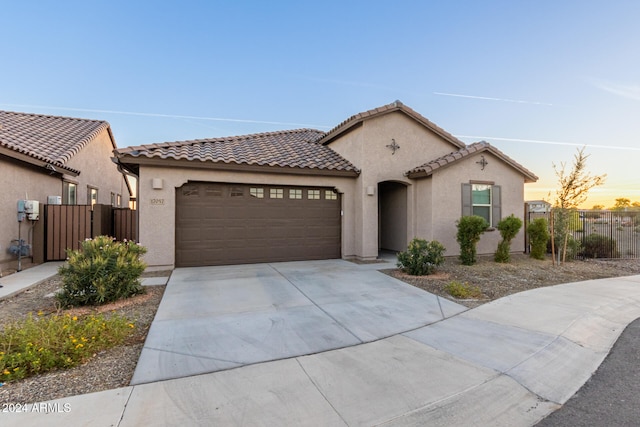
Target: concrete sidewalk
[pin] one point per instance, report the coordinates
(510, 362)
(18, 282)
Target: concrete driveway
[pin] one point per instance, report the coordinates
(217, 318)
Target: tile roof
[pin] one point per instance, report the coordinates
(357, 119)
(288, 149)
(430, 167)
(50, 139)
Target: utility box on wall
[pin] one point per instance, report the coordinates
(28, 209)
(32, 209)
(54, 200)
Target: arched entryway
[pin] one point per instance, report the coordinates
(392, 216)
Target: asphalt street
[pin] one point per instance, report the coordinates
(612, 396)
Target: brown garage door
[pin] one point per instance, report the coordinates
(219, 223)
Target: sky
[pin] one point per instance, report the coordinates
(537, 79)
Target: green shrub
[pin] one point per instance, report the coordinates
(599, 246)
(421, 257)
(102, 271)
(462, 290)
(573, 247)
(508, 228)
(538, 231)
(470, 228)
(39, 344)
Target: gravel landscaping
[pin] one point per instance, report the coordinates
(114, 368)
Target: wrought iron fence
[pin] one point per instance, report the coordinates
(597, 234)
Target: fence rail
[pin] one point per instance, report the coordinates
(597, 233)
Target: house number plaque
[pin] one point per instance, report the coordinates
(157, 202)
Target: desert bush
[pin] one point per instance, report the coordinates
(572, 250)
(538, 231)
(421, 257)
(102, 271)
(462, 290)
(599, 246)
(470, 228)
(39, 344)
(508, 228)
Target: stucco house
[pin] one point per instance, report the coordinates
(375, 181)
(42, 156)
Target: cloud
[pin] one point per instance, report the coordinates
(631, 91)
(169, 116)
(488, 98)
(538, 141)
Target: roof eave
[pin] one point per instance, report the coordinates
(240, 167)
(529, 176)
(358, 119)
(38, 162)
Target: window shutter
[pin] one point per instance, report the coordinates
(496, 201)
(466, 200)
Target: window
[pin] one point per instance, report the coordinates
(330, 195)
(482, 199)
(256, 192)
(118, 200)
(295, 193)
(276, 193)
(212, 191)
(190, 191)
(313, 194)
(113, 200)
(69, 193)
(92, 196)
(236, 192)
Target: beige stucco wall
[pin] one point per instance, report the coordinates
(157, 208)
(20, 181)
(366, 147)
(433, 203)
(447, 201)
(97, 170)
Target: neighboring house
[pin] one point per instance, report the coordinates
(377, 180)
(42, 156)
(538, 206)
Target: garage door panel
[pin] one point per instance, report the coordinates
(219, 224)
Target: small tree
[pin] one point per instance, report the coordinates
(538, 231)
(572, 192)
(470, 228)
(421, 257)
(508, 228)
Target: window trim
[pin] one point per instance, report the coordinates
(66, 199)
(313, 194)
(332, 195)
(496, 201)
(256, 192)
(276, 193)
(90, 199)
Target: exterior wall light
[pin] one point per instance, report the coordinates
(157, 184)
